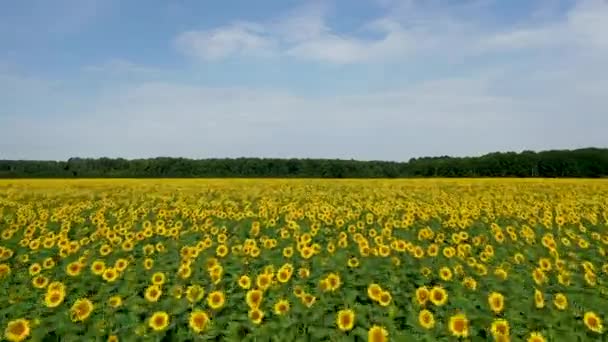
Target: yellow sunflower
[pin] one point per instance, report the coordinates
(426, 319)
(385, 298)
(159, 321)
(459, 325)
(593, 322)
(195, 293)
(345, 319)
(438, 295)
(153, 293)
(54, 298)
(536, 337)
(422, 295)
(560, 301)
(245, 282)
(256, 315)
(374, 291)
(496, 301)
(17, 330)
(500, 328)
(81, 310)
(198, 321)
(254, 298)
(377, 334)
(115, 301)
(216, 300)
(158, 278)
(281, 307)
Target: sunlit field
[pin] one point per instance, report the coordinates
(303, 260)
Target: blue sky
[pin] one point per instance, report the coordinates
(377, 79)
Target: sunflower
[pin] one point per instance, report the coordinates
(110, 275)
(470, 283)
(284, 275)
(422, 295)
(158, 278)
(539, 276)
(121, 264)
(560, 301)
(256, 315)
(81, 310)
(281, 307)
(148, 263)
(345, 319)
(34, 269)
(353, 262)
(254, 298)
(374, 291)
(385, 298)
(539, 299)
(195, 293)
(198, 321)
(426, 319)
(4, 270)
(298, 291)
(445, 273)
(544, 264)
(334, 281)
(593, 322)
(264, 281)
(459, 325)
(98, 267)
(500, 328)
(48, 263)
(112, 338)
(17, 330)
(159, 321)
(40, 282)
(153, 293)
(115, 301)
(438, 295)
(221, 251)
(308, 299)
(377, 334)
(245, 282)
(497, 302)
(184, 271)
(536, 337)
(216, 300)
(54, 298)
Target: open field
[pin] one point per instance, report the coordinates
(303, 260)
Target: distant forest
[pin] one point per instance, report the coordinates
(588, 162)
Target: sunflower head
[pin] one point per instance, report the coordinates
(159, 321)
(198, 321)
(593, 322)
(345, 320)
(17, 330)
(459, 325)
(377, 334)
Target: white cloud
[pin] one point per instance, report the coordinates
(235, 39)
(407, 30)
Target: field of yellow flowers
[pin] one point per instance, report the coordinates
(303, 260)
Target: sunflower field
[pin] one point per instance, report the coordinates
(303, 260)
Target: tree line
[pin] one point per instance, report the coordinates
(588, 162)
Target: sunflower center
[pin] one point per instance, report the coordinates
(460, 325)
(18, 329)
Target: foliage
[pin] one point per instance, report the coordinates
(590, 163)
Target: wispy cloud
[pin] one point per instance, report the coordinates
(306, 34)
